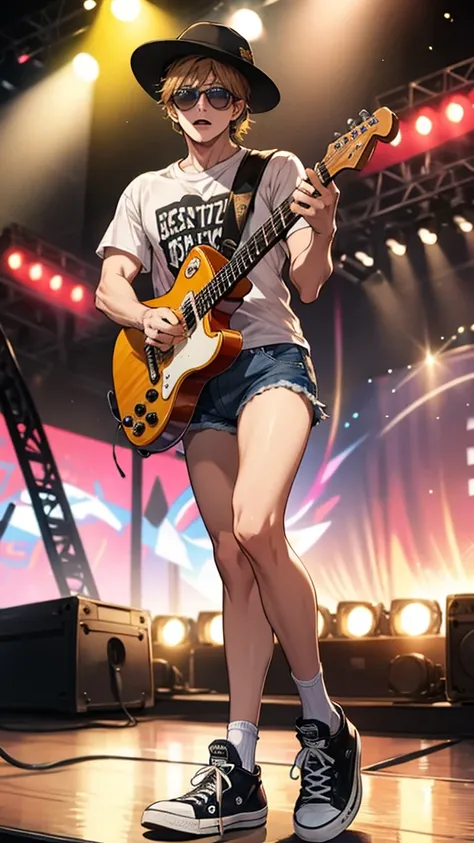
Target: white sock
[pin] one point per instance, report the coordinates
(316, 703)
(244, 736)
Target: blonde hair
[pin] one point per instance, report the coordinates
(195, 70)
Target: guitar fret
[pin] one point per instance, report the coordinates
(246, 257)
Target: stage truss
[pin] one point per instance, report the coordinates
(60, 535)
(449, 80)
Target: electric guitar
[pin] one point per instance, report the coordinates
(156, 392)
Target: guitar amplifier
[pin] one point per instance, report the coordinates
(64, 655)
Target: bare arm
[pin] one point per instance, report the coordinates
(115, 295)
(116, 298)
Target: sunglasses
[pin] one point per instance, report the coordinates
(187, 98)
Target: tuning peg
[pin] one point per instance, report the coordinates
(351, 122)
(364, 114)
(337, 135)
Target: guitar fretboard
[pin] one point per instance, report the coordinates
(250, 253)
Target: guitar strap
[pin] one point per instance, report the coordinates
(242, 198)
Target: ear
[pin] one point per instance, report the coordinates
(172, 113)
(237, 109)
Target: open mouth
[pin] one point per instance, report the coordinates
(201, 123)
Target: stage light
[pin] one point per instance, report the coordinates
(56, 282)
(416, 677)
(430, 359)
(216, 630)
(85, 67)
(454, 112)
(248, 23)
(415, 617)
(125, 10)
(423, 125)
(209, 628)
(397, 248)
(462, 223)
(325, 622)
(89, 5)
(36, 272)
(23, 58)
(15, 260)
(461, 329)
(427, 237)
(77, 293)
(397, 139)
(364, 258)
(172, 631)
(357, 620)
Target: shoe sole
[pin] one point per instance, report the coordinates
(203, 828)
(343, 821)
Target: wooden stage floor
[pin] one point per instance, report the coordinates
(427, 800)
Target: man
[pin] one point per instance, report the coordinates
(251, 425)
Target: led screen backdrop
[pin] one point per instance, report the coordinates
(383, 506)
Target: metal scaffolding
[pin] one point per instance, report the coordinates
(61, 538)
(450, 80)
(442, 172)
(36, 33)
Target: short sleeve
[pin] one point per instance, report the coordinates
(126, 231)
(285, 172)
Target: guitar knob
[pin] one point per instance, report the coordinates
(138, 428)
(152, 419)
(127, 421)
(151, 395)
(140, 409)
(364, 114)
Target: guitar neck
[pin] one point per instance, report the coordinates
(250, 253)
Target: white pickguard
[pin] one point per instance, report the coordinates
(192, 353)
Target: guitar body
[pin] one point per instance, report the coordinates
(157, 397)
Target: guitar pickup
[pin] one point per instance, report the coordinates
(189, 313)
(151, 362)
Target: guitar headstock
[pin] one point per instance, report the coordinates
(354, 149)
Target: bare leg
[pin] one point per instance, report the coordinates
(212, 460)
(273, 432)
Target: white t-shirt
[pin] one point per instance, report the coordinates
(162, 215)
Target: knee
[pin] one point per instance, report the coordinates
(258, 534)
(233, 566)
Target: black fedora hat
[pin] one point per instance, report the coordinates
(213, 40)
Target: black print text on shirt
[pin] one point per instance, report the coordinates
(190, 222)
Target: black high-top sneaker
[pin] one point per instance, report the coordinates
(224, 796)
(331, 783)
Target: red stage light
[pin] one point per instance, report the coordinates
(454, 112)
(15, 260)
(23, 58)
(56, 282)
(36, 272)
(423, 124)
(77, 293)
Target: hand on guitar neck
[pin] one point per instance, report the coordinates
(162, 328)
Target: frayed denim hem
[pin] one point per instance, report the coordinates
(319, 408)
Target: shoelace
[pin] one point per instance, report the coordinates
(318, 780)
(206, 789)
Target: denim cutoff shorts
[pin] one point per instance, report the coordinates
(255, 370)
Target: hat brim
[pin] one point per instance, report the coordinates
(151, 61)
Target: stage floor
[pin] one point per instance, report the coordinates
(425, 800)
